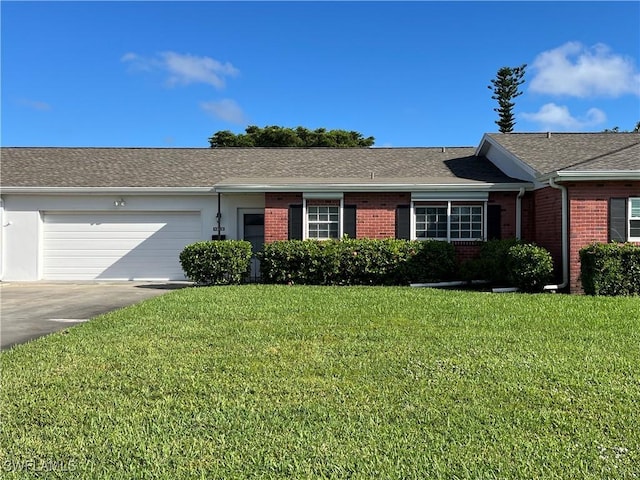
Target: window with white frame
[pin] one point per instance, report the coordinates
(449, 222)
(634, 219)
(323, 221)
(466, 222)
(431, 222)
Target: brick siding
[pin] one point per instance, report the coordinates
(276, 215)
(589, 218)
(544, 224)
(507, 202)
(376, 213)
(376, 216)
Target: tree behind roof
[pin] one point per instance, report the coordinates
(275, 136)
(505, 89)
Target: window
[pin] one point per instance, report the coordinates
(431, 222)
(321, 216)
(466, 223)
(634, 219)
(449, 222)
(323, 221)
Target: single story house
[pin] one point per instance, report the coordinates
(126, 213)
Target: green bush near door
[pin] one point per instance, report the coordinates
(221, 262)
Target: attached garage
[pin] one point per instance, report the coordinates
(117, 246)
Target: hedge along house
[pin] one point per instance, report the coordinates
(126, 213)
(586, 188)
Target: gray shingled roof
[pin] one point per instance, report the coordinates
(547, 153)
(205, 167)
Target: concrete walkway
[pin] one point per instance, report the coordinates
(30, 310)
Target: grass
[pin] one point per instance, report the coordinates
(322, 382)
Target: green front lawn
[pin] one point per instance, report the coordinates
(331, 382)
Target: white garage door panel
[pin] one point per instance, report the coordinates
(117, 246)
(113, 244)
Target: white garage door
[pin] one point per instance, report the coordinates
(120, 246)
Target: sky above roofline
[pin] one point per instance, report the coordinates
(154, 74)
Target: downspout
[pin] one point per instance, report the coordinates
(565, 237)
(219, 218)
(519, 213)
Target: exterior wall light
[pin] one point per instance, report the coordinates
(119, 203)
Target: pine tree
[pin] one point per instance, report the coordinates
(505, 89)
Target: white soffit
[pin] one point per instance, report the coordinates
(451, 195)
(323, 195)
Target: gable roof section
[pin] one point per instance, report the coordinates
(571, 155)
(201, 169)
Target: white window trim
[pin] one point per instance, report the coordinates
(305, 218)
(630, 217)
(414, 227)
(449, 205)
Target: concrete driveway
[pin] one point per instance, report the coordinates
(30, 310)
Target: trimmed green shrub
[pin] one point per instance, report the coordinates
(369, 262)
(610, 269)
(220, 262)
(530, 267)
(356, 262)
(297, 261)
(432, 261)
(492, 263)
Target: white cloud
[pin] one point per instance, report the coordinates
(576, 70)
(130, 57)
(34, 104)
(225, 109)
(557, 117)
(184, 69)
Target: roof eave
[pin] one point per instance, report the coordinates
(108, 190)
(590, 175)
(368, 187)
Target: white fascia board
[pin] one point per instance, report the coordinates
(108, 190)
(591, 175)
(369, 187)
(506, 161)
(482, 147)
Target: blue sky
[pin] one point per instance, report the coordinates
(170, 74)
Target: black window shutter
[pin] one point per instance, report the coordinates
(494, 223)
(349, 221)
(295, 222)
(618, 220)
(403, 222)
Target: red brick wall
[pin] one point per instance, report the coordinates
(528, 218)
(376, 213)
(507, 202)
(467, 250)
(376, 216)
(541, 218)
(546, 230)
(276, 214)
(589, 218)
